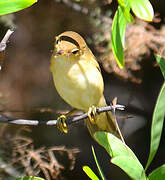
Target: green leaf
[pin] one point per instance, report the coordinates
(125, 7)
(161, 61)
(98, 166)
(130, 166)
(118, 36)
(122, 3)
(29, 178)
(113, 145)
(121, 154)
(90, 173)
(157, 174)
(102, 139)
(127, 14)
(142, 9)
(157, 124)
(10, 6)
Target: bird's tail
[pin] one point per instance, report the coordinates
(103, 122)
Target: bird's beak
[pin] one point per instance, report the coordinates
(60, 52)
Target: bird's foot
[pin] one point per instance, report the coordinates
(92, 114)
(61, 124)
(61, 121)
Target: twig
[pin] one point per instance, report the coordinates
(3, 44)
(114, 103)
(5, 39)
(69, 120)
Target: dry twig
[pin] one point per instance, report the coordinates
(42, 160)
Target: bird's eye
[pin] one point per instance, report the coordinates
(75, 51)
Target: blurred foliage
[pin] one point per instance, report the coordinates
(29, 178)
(8, 21)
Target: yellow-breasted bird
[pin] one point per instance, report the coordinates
(78, 80)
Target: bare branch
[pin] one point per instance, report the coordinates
(3, 45)
(5, 39)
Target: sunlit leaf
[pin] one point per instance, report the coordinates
(161, 61)
(10, 6)
(158, 173)
(142, 9)
(90, 173)
(118, 36)
(157, 124)
(127, 14)
(122, 3)
(130, 166)
(113, 145)
(121, 154)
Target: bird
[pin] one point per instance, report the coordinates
(78, 80)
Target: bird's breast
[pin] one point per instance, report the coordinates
(79, 83)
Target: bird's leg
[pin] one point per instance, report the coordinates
(61, 124)
(92, 114)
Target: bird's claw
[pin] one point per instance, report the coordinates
(92, 114)
(61, 124)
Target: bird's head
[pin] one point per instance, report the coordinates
(69, 43)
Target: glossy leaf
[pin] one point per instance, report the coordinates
(158, 173)
(121, 154)
(127, 14)
(157, 124)
(10, 6)
(122, 3)
(142, 9)
(113, 145)
(161, 61)
(118, 36)
(98, 166)
(130, 166)
(90, 173)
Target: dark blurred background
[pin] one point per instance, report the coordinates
(26, 83)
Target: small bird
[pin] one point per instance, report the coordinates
(78, 80)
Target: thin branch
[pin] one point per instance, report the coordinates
(3, 45)
(5, 39)
(114, 102)
(69, 120)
